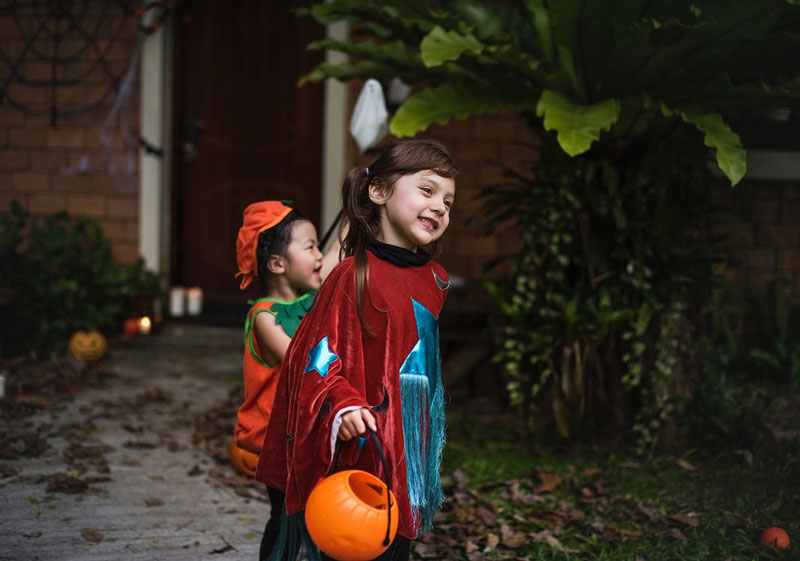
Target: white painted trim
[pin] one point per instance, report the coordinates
(334, 135)
(778, 165)
(152, 170)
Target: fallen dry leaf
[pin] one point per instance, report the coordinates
(627, 532)
(690, 519)
(676, 534)
(549, 482)
(153, 502)
(491, 542)
(515, 540)
(91, 535)
(684, 464)
(650, 512)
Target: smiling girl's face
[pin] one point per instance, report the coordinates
(417, 210)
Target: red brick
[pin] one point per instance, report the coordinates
(66, 138)
(455, 128)
(82, 94)
(476, 151)
(125, 253)
(736, 233)
(766, 210)
(37, 70)
(10, 116)
(127, 207)
(30, 181)
(778, 236)
(121, 230)
(48, 160)
(82, 183)
(46, 203)
(13, 159)
(525, 134)
(87, 205)
(6, 181)
(488, 128)
(790, 213)
(26, 95)
(93, 140)
(789, 259)
(27, 137)
(6, 198)
(519, 157)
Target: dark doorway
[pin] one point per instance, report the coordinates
(242, 131)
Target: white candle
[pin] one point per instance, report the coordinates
(194, 300)
(177, 297)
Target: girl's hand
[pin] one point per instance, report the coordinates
(355, 422)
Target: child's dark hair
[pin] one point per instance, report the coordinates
(275, 241)
(396, 160)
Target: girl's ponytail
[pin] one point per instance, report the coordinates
(363, 219)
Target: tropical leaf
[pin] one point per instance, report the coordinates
(440, 46)
(541, 22)
(577, 125)
(442, 103)
(730, 154)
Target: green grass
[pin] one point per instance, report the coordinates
(610, 505)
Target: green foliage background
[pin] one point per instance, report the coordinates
(59, 276)
(612, 305)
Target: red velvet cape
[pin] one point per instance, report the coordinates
(363, 370)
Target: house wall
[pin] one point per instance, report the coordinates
(38, 161)
(763, 227)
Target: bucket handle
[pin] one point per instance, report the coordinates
(379, 448)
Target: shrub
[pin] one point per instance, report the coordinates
(58, 276)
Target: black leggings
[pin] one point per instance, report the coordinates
(398, 551)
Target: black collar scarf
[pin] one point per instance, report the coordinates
(399, 256)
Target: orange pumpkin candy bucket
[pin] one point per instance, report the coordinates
(352, 515)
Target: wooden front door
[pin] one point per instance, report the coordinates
(242, 132)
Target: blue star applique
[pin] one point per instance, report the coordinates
(320, 358)
(424, 357)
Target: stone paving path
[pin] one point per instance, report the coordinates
(148, 492)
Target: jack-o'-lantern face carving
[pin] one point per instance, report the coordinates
(87, 346)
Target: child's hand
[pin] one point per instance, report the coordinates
(355, 422)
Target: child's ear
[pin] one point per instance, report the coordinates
(378, 193)
(276, 264)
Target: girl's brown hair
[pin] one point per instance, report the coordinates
(396, 160)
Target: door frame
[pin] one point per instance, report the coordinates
(155, 119)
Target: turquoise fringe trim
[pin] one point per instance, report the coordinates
(292, 536)
(424, 436)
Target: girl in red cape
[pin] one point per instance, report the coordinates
(366, 355)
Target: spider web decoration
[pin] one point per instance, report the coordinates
(60, 48)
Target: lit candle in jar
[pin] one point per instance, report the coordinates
(194, 300)
(144, 325)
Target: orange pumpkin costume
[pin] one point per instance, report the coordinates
(261, 379)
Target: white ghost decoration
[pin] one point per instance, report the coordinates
(370, 120)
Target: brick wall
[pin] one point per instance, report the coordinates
(762, 225)
(36, 157)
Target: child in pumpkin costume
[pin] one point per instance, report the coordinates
(367, 354)
(277, 247)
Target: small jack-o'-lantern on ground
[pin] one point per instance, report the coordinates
(87, 345)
